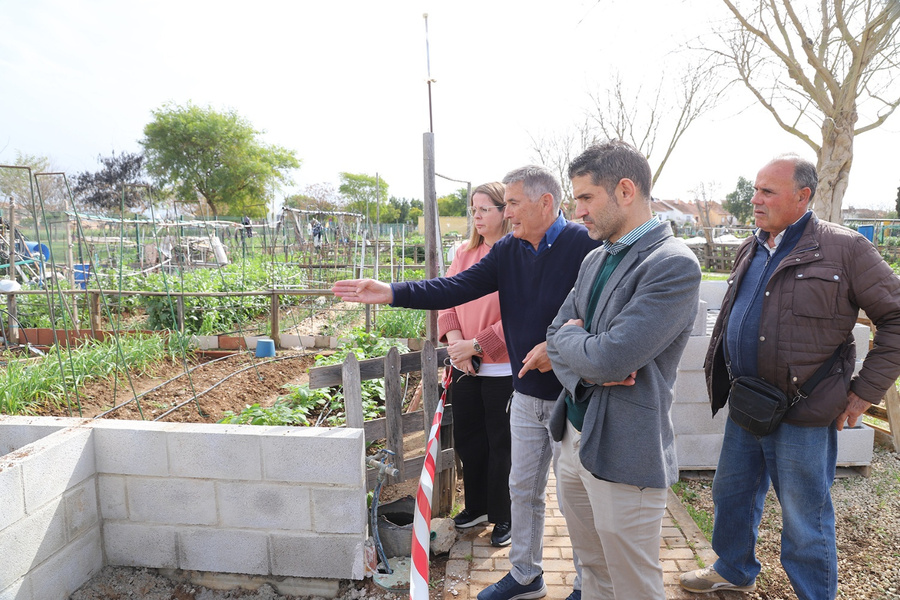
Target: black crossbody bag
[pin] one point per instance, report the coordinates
(758, 407)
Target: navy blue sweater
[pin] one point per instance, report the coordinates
(531, 288)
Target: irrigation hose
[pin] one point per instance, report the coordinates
(224, 379)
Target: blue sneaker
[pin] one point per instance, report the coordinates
(510, 589)
(575, 595)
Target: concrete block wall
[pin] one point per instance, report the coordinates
(698, 436)
(49, 518)
(266, 501)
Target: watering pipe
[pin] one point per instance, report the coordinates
(380, 461)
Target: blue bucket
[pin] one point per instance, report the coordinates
(82, 274)
(265, 348)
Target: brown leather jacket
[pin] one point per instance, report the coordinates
(812, 302)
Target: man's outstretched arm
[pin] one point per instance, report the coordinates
(367, 291)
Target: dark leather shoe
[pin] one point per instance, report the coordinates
(501, 536)
(467, 519)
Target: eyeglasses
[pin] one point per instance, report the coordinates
(484, 210)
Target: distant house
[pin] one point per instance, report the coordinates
(687, 213)
(852, 213)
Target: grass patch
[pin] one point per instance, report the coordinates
(702, 518)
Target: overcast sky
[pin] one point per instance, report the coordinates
(342, 83)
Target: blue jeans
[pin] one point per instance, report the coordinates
(800, 462)
(532, 451)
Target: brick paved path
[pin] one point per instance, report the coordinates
(474, 564)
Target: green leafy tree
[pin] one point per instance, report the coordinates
(102, 190)
(409, 210)
(897, 204)
(738, 202)
(216, 156)
(455, 204)
(364, 193)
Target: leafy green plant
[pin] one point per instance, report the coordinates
(401, 323)
(26, 385)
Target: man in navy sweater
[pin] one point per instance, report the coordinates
(533, 270)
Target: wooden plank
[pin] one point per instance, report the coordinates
(376, 430)
(352, 392)
(371, 368)
(276, 323)
(892, 406)
(393, 410)
(879, 412)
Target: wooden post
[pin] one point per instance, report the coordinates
(11, 306)
(276, 320)
(892, 405)
(444, 493)
(95, 313)
(432, 235)
(393, 410)
(179, 314)
(352, 391)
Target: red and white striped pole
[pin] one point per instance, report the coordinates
(421, 541)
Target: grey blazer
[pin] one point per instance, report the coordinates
(642, 322)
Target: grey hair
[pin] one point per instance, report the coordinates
(805, 175)
(537, 181)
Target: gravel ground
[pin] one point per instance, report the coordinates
(867, 512)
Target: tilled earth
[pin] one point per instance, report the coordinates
(867, 513)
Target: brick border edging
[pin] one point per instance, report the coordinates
(700, 545)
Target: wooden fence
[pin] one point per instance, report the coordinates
(395, 423)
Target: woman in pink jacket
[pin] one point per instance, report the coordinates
(482, 379)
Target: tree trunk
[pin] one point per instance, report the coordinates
(834, 162)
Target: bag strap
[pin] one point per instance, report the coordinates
(818, 376)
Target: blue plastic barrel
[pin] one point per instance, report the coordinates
(82, 274)
(265, 348)
(33, 249)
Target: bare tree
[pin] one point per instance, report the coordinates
(818, 66)
(555, 151)
(655, 122)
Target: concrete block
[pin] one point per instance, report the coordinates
(313, 455)
(694, 353)
(264, 505)
(215, 451)
(308, 341)
(336, 556)
(19, 590)
(696, 418)
(700, 319)
(857, 367)
(171, 501)
(290, 341)
(861, 335)
(12, 495)
(17, 432)
(31, 541)
(56, 463)
(140, 545)
(855, 445)
(80, 505)
(70, 568)
(131, 447)
(690, 386)
(113, 503)
(223, 550)
(339, 510)
(713, 292)
(698, 451)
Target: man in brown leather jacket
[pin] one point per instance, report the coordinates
(794, 295)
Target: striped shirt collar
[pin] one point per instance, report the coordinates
(630, 238)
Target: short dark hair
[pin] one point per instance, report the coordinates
(610, 162)
(805, 175)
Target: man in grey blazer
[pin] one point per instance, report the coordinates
(615, 346)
